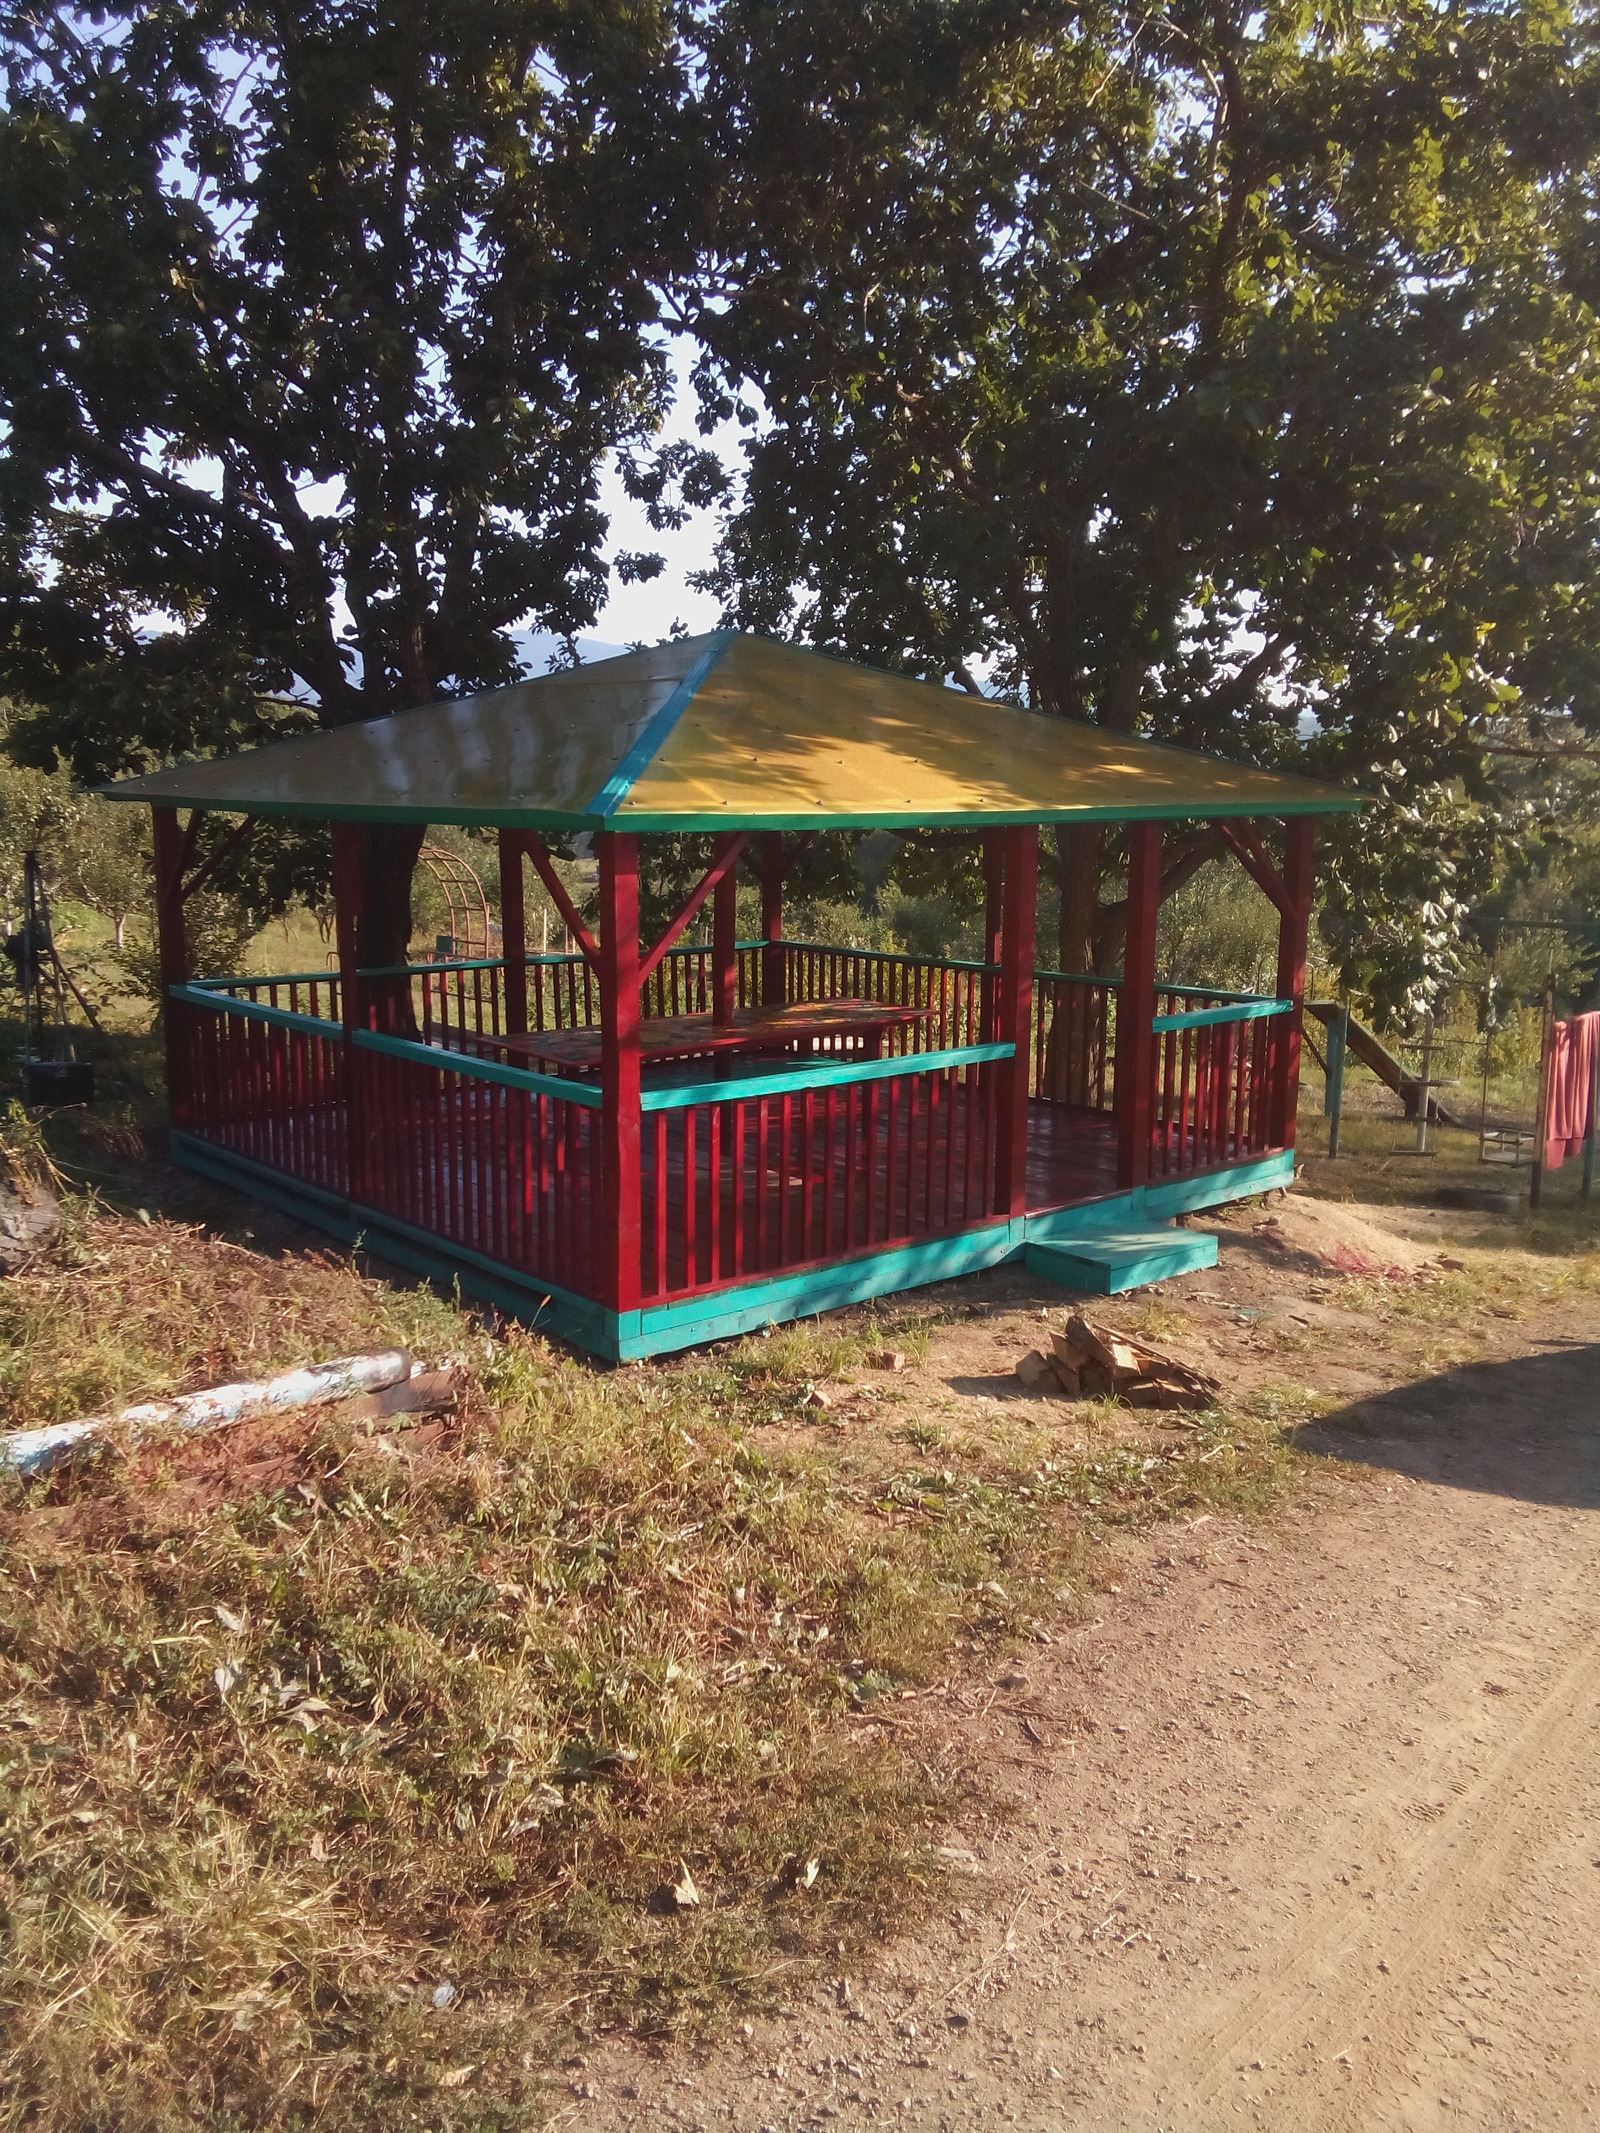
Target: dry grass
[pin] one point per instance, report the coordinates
(333, 1765)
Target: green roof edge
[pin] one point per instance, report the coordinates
(655, 735)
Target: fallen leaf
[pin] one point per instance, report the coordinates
(457, 2078)
(684, 1893)
(229, 1620)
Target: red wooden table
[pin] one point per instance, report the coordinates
(753, 1029)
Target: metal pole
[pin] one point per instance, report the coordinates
(1424, 1082)
(1333, 1088)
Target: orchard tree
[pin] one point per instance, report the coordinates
(1220, 373)
(319, 324)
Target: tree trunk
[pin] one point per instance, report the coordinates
(1079, 846)
(383, 928)
(1070, 1045)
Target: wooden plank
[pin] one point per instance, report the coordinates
(723, 866)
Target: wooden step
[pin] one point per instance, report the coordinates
(1104, 1262)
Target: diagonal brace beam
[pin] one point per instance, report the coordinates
(727, 859)
(231, 843)
(539, 852)
(1253, 856)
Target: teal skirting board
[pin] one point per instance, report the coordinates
(1115, 1236)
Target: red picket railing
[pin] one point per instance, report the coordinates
(812, 1168)
(503, 1163)
(954, 993)
(1213, 1078)
(267, 1082)
(781, 1170)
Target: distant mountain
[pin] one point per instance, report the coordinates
(536, 648)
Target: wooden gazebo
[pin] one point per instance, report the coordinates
(643, 1146)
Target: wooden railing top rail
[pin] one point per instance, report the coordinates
(584, 1093)
(259, 1011)
(783, 1082)
(1220, 993)
(1248, 1010)
(271, 977)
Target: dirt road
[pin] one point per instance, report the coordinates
(1307, 1825)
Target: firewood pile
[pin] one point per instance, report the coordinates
(1090, 1362)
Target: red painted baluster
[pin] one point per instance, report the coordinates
(691, 1197)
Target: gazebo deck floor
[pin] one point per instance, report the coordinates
(1072, 1155)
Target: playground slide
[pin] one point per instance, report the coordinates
(1389, 1070)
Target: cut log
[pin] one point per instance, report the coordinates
(1089, 1341)
(1099, 1362)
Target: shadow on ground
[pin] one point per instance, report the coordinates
(1527, 1428)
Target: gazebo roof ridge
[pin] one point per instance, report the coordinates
(728, 731)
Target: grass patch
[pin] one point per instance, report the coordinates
(328, 1775)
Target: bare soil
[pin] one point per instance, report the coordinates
(1303, 1829)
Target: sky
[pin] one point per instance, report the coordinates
(640, 614)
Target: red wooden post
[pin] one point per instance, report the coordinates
(1299, 833)
(725, 943)
(619, 1067)
(347, 870)
(1136, 1007)
(1014, 1018)
(773, 989)
(513, 933)
(994, 868)
(173, 950)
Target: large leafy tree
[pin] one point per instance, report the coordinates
(319, 321)
(1221, 373)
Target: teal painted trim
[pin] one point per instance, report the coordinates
(579, 1319)
(272, 977)
(544, 818)
(1215, 1188)
(1117, 1261)
(256, 1011)
(418, 970)
(723, 1313)
(1123, 1263)
(1117, 1210)
(1161, 1201)
(654, 737)
(583, 1093)
(247, 1175)
(1238, 1011)
(1059, 977)
(976, 818)
(686, 1095)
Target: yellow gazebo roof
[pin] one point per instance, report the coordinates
(728, 731)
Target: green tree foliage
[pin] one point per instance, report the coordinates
(320, 322)
(1205, 372)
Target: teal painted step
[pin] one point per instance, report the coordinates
(1104, 1262)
